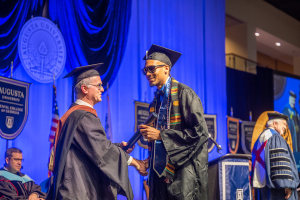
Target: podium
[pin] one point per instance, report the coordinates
(228, 177)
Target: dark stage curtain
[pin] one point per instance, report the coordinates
(248, 92)
(13, 15)
(94, 31)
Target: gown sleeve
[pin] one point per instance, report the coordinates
(108, 157)
(181, 145)
(34, 188)
(8, 191)
(280, 164)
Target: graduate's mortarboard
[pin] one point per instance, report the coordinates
(277, 116)
(162, 54)
(83, 72)
(292, 94)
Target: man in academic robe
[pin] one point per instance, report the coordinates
(274, 172)
(87, 166)
(15, 185)
(178, 154)
(293, 122)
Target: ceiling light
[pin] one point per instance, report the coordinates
(278, 44)
(256, 34)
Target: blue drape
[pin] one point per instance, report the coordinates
(13, 15)
(196, 28)
(94, 32)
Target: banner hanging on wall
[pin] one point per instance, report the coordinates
(141, 113)
(14, 96)
(247, 128)
(233, 134)
(211, 122)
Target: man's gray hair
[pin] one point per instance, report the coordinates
(271, 122)
(77, 87)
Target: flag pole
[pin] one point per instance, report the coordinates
(11, 76)
(11, 69)
(53, 79)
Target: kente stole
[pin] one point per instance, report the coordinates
(168, 119)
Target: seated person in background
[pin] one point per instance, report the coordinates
(15, 185)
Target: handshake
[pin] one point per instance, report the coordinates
(141, 166)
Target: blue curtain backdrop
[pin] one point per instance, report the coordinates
(196, 28)
(13, 15)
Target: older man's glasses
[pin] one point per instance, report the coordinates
(151, 69)
(17, 159)
(98, 86)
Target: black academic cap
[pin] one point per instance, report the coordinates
(83, 72)
(292, 94)
(162, 54)
(277, 116)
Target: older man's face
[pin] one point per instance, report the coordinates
(280, 126)
(160, 75)
(96, 89)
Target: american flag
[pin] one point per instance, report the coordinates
(54, 122)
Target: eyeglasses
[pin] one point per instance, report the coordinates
(151, 69)
(98, 86)
(17, 159)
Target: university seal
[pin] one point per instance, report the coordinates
(42, 49)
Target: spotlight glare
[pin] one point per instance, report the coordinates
(278, 44)
(256, 34)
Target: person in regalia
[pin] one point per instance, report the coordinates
(274, 173)
(294, 121)
(178, 155)
(86, 165)
(14, 185)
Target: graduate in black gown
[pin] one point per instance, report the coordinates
(87, 166)
(178, 141)
(15, 185)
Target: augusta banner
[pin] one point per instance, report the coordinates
(233, 134)
(211, 122)
(141, 113)
(247, 128)
(14, 96)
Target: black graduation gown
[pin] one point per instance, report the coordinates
(87, 165)
(187, 149)
(16, 190)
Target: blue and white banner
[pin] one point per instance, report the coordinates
(211, 122)
(247, 128)
(141, 113)
(14, 96)
(234, 179)
(233, 134)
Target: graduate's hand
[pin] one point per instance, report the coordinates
(123, 144)
(33, 196)
(146, 161)
(288, 192)
(144, 166)
(149, 132)
(140, 166)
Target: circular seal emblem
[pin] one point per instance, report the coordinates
(42, 49)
